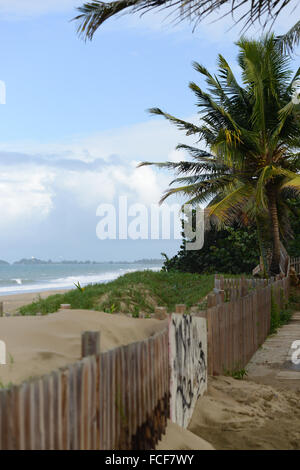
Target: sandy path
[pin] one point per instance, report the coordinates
(271, 364)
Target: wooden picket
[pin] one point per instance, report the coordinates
(238, 326)
(115, 400)
(295, 263)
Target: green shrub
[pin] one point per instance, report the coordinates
(237, 373)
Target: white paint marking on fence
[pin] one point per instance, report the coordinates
(2, 353)
(188, 364)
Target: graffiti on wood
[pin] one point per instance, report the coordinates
(188, 364)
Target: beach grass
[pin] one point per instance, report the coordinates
(135, 292)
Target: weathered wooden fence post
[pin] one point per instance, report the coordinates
(180, 308)
(244, 286)
(65, 306)
(195, 311)
(219, 283)
(219, 290)
(90, 343)
(160, 313)
(211, 300)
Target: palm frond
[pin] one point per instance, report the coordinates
(180, 124)
(228, 209)
(288, 41)
(182, 167)
(94, 14)
(199, 192)
(292, 187)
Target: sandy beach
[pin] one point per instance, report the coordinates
(11, 303)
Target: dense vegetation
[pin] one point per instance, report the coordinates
(134, 292)
(234, 251)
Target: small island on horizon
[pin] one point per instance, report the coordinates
(36, 261)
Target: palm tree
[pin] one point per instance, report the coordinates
(251, 131)
(93, 14)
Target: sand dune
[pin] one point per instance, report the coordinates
(38, 345)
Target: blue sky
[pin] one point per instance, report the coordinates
(75, 125)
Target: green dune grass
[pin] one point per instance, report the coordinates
(134, 292)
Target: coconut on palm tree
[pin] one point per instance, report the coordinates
(250, 161)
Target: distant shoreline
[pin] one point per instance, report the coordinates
(38, 262)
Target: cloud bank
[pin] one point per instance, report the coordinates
(49, 192)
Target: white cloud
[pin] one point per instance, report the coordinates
(87, 187)
(29, 195)
(151, 140)
(88, 170)
(91, 188)
(25, 195)
(177, 156)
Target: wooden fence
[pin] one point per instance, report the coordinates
(295, 263)
(238, 319)
(114, 400)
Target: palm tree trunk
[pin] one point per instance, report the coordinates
(274, 268)
(261, 232)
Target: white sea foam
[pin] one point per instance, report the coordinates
(69, 281)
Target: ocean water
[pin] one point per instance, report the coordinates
(17, 278)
